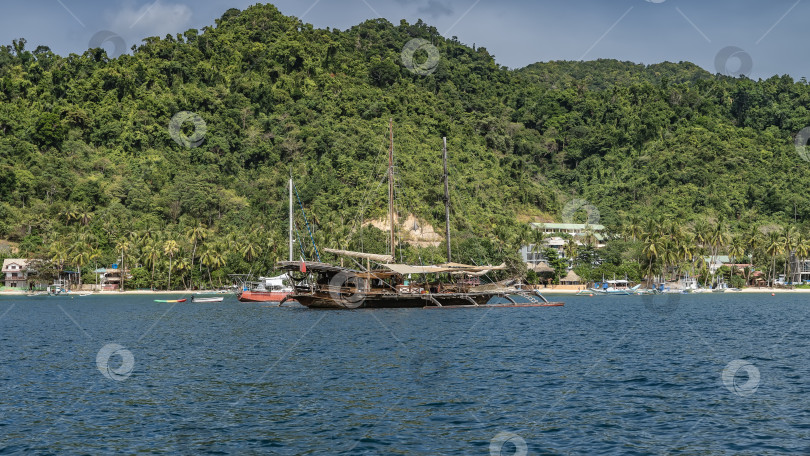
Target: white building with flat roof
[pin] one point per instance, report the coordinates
(574, 229)
(554, 239)
(15, 272)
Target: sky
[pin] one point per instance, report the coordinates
(757, 38)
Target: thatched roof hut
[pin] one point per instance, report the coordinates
(571, 279)
(543, 268)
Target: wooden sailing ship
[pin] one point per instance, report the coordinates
(391, 285)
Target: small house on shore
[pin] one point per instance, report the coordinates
(571, 279)
(109, 279)
(15, 272)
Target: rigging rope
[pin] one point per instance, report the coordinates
(301, 205)
(374, 171)
(300, 244)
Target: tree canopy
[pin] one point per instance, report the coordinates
(86, 146)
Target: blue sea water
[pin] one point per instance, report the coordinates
(704, 374)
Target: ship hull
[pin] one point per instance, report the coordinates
(402, 301)
(263, 296)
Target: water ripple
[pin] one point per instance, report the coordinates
(600, 375)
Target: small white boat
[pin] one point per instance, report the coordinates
(721, 286)
(614, 287)
(211, 299)
(55, 290)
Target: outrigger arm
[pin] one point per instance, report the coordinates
(434, 300)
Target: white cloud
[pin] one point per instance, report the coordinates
(152, 19)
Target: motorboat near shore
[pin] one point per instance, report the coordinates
(324, 286)
(207, 299)
(612, 287)
(267, 289)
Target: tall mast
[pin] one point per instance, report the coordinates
(291, 217)
(391, 185)
(446, 198)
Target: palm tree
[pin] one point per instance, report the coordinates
(686, 245)
(652, 245)
(170, 248)
(123, 245)
(589, 236)
(82, 254)
(774, 245)
(195, 235)
(219, 260)
(151, 254)
(570, 248)
(700, 267)
(802, 251)
(632, 227)
(524, 234)
(249, 250)
(736, 249)
(702, 232)
(58, 253)
(83, 215)
(212, 257)
(718, 238)
(753, 241)
(269, 243)
(789, 234)
(207, 259)
(69, 212)
(668, 253)
(538, 237)
(652, 227)
(503, 237)
(182, 266)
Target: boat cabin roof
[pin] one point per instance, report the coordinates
(390, 269)
(313, 266)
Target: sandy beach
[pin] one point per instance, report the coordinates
(545, 291)
(126, 292)
(763, 290)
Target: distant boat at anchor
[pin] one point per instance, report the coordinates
(267, 289)
(210, 299)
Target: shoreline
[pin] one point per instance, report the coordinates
(763, 290)
(544, 291)
(126, 292)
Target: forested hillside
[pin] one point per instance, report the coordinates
(90, 169)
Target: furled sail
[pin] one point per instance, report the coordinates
(365, 256)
